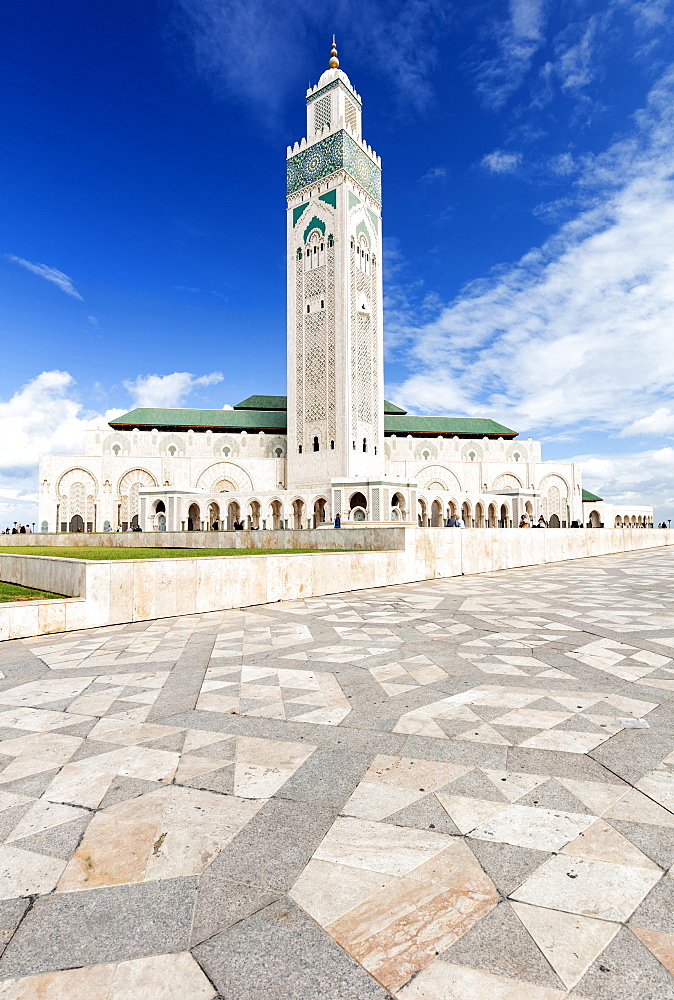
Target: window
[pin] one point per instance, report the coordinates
(354, 445)
(316, 444)
(331, 240)
(322, 303)
(225, 450)
(300, 449)
(116, 449)
(516, 456)
(172, 450)
(279, 452)
(332, 445)
(471, 456)
(364, 444)
(308, 307)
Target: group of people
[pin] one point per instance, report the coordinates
(455, 521)
(526, 523)
(18, 529)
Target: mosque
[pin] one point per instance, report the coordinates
(333, 445)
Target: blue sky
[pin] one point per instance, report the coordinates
(528, 151)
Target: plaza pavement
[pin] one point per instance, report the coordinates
(439, 791)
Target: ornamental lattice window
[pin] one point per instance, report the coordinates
(322, 114)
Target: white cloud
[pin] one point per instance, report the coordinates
(518, 39)
(500, 162)
(576, 333)
(41, 417)
(661, 421)
(576, 63)
(645, 478)
(563, 164)
(167, 390)
(57, 278)
(93, 320)
(434, 174)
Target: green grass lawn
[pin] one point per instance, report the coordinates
(11, 592)
(109, 552)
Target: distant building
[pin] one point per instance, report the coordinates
(333, 446)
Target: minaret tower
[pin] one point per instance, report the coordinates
(335, 321)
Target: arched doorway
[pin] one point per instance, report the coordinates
(194, 518)
(276, 513)
(254, 514)
(233, 514)
(554, 521)
(479, 515)
(595, 520)
(451, 509)
(618, 523)
(398, 507)
(436, 514)
(421, 513)
(298, 511)
(319, 511)
(529, 510)
(491, 516)
(504, 519)
(76, 523)
(161, 522)
(358, 507)
(214, 516)
(466, 514)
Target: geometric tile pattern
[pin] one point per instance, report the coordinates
(454, 789)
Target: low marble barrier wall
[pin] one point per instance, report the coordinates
(121, 591)
(321, 538)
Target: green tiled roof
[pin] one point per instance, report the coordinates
(591, 497)
(268, 413)
(263, 403)
(202, 420)
(459, 426)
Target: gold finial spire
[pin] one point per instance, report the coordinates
(334, 61)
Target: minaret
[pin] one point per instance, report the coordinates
(335, 321)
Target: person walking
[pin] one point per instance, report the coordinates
(338, 521)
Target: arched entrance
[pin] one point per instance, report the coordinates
(298, 511)
(451, 509)
(436, 514)
(421, 513)
(233, 514)
(319, 511)
(504, 519)
(595, 520)
(491, 516)
(214, 516)
(554, 521)
(276, 513)
(466, 514)
(358, 507)
(76, 523)
(194, 518)
(254, 514)
(161, 522)
(398, 507)
(479, 515)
